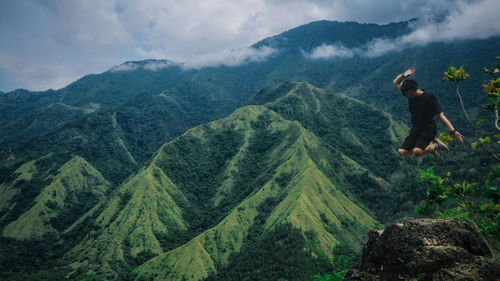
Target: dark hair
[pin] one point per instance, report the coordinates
(408, 85)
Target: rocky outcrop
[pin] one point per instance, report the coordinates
(426, 249)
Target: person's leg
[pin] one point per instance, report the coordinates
(419, 152)
(404, 152)
(424, 144)
(406, 148)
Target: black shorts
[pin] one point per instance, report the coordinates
(419, 138)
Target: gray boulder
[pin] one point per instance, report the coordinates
(426, 249)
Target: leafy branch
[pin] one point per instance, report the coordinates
(456, 75)
(476, 202)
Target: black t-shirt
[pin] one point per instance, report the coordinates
(423, 108)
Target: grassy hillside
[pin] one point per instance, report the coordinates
(356, 129)
(126, 228)
(190, 209)
(116, 141)
(303, 196)
(73, 191)
(22, 186)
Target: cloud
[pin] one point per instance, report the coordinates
(152, 65)
(157, 65)
(127, 66)
(330, 51)
(231, 57)
(374, 48)
(466, 20)
(52, 43)
(378, 47)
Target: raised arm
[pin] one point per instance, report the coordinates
(452, 130)
(399, 78)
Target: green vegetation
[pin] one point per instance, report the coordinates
(24, 185)
(343, 260)
(282, 252)
(341, 124)
(195, 165)
(473, 201)
(194, 97)
(31, 259)
(254, 169)
(285, 187)
(203, 187)
(73, 191)
(303, 171)
(279, 253)
(116, 142)
(37, 122)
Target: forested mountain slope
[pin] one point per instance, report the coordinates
(193, 205)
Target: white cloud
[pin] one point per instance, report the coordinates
(378, 47)
(128, 66)
(157, 65)
(374, 48)
(330, 51)
(231, 57)
(153, 65)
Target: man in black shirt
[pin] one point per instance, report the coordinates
(423, 108)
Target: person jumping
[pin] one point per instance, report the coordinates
(423, 108)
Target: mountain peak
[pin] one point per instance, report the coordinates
(316, 33)
(75, 189)
(272, 93)
(290, 177)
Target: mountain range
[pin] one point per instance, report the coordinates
(151, 171)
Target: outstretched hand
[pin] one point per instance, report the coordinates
(459, 136)
(409, 72)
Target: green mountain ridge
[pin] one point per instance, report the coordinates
(344, 124)
(211, 215)
(116, 141)
(39, 121)
(136, 212)
(76, 186)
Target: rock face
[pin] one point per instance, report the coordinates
(426, 249)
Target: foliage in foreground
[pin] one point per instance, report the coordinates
(474, 201)
(343, 260)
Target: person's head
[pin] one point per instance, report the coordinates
(409, 88)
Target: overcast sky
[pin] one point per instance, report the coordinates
(51, 43)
